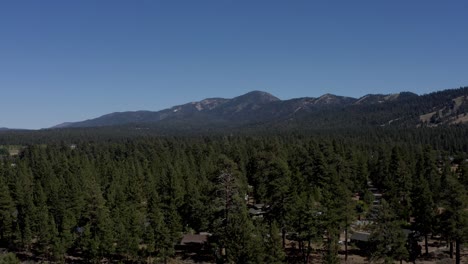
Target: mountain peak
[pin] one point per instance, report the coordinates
(382, 98)
(331, 99)
(258, 97)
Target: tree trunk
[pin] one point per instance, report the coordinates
(308, 252)
(426, 247)
(301, 249)
(451, 249)
(283, 236)
(457, 252)
(346, 244)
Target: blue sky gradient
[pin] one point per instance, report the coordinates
(74, 60)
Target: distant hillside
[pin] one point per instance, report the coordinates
(257, 108)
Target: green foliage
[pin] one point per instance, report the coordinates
(4, 152)
(242, 241)
(272, 244)
(424, 207)
(387, 238)
(454, 219)
(133, 199)
(9, 258)
(7, 211)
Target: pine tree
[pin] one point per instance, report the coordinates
(335, 203)
(7, 210)
(242, 241)
(97, 238)
(399, 185)
(273, 250)
(305, 220)
(423, 208)
(454, 219)
(163, 240)
(40, 219)
(277, 195)
(234, 230)
(387, 237)
(24, 195)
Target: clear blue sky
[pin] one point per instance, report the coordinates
(73, 60)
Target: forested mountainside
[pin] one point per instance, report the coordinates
(132, 200)
(261, 109)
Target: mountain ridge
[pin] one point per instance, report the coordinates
(404, 108)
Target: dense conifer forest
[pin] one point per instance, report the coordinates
(85, 196)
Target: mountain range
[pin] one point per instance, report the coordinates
(257, 108)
